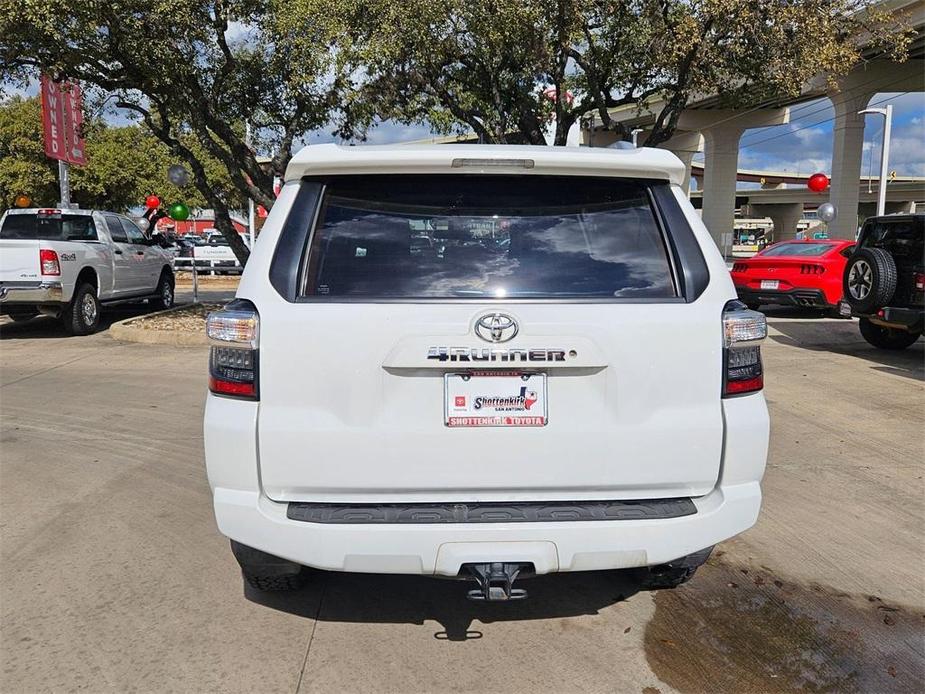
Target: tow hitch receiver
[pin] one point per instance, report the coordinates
(495, 581)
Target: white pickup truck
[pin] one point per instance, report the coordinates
(69, 263)
(214, 257)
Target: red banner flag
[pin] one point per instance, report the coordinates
(53, 119)
(74, 121)
(62, 118)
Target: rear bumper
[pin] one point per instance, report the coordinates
(254, 520)
(244, 513)
(791, 297)
(13, 293)
(910, 319)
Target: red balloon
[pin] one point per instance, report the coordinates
(818, 182)
(152, 201)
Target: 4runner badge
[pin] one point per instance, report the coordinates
(477, 354)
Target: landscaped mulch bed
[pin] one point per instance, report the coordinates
(190, 318)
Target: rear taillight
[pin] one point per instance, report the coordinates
(234, 334)
(743, 332)
(739, 267)
(919, 282)
(810, 269)
(48, 261)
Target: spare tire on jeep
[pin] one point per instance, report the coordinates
(869, 281)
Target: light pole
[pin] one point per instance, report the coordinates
(887, 114)
(250, 200)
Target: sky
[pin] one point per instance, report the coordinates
(805, 144)
(802, 146)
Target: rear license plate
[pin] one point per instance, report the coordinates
(770, 284)
(494, 399)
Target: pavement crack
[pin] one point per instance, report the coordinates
(45, 371)
(311, 637)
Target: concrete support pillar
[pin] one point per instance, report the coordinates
(785, 217)
(721, 130)
(721, 161)
(847, 149)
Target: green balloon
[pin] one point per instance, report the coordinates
(179, 212)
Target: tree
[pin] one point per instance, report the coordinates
(124, 164)
(24, 168)
(194, 72)
(504, 68)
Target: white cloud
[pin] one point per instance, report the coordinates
(907, 156)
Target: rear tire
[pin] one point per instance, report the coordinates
(82, 315)
(870, 279)
(266, 572)
(273, 584)
(164, 292)
(22, 316)
(655, 579)
(886, 338)
(674, 573)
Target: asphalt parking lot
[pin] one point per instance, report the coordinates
(114, 578)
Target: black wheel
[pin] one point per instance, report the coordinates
(886, 338)
(753, 305)
(870, 279)
(270, 583)
(82, 315)
(22, 316)
(267, 572)
(659, 578)
(674, 573)
(164, 292)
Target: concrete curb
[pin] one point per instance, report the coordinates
(124, 332)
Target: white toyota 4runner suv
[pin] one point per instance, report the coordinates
(484, 362)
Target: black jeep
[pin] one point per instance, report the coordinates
(884, 282)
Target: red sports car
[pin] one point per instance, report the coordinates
(794, 273)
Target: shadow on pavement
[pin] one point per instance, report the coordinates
(395, 599)
(843, 337)
(48, 327)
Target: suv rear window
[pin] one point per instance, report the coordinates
(472, 236)
(49, 227)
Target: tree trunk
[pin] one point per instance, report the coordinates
(224, 224)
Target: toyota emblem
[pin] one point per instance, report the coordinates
(496, 327)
